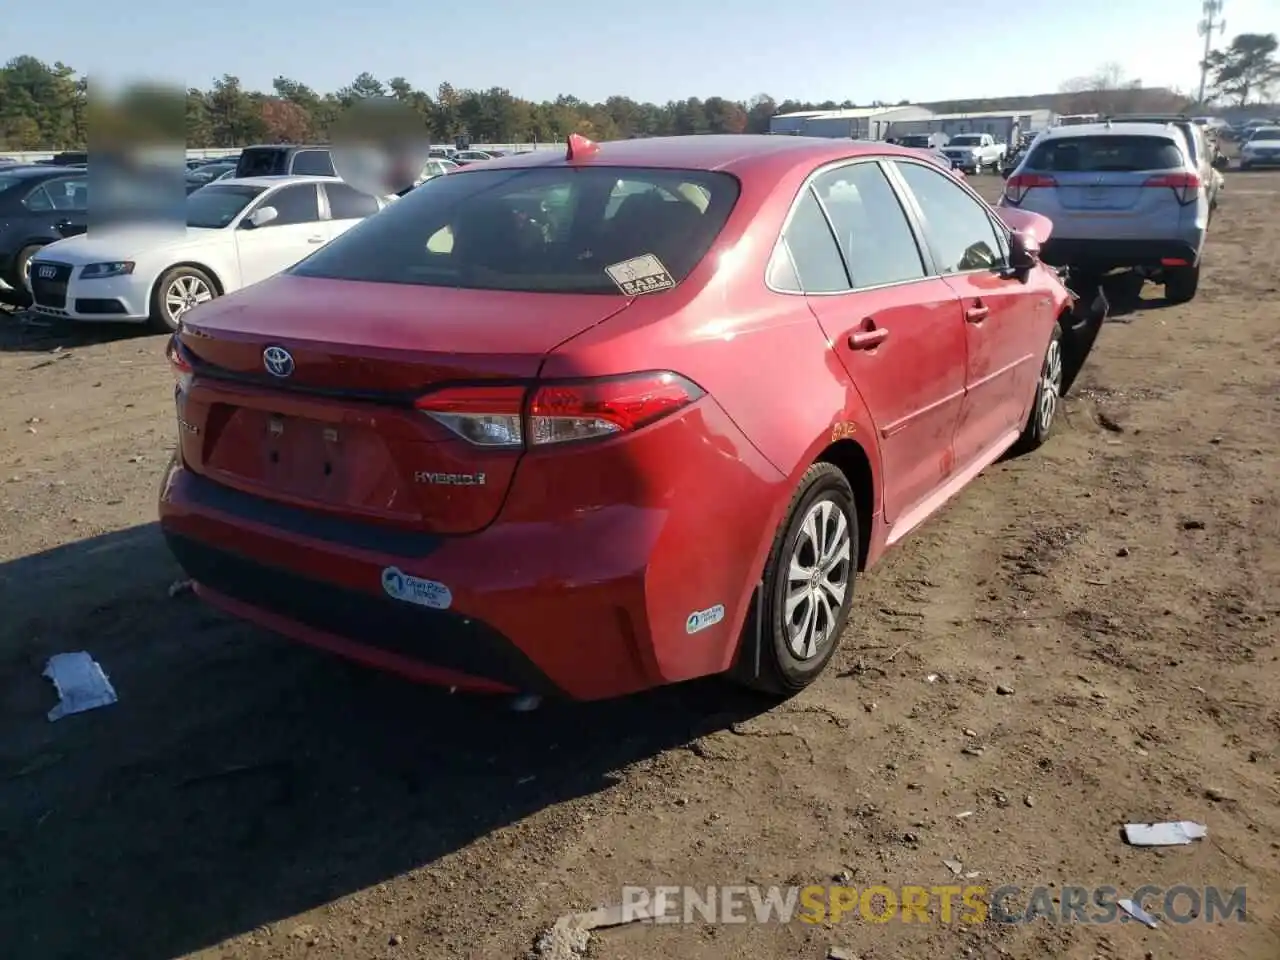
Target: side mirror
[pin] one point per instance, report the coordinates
(1024, 252)
(261, 217)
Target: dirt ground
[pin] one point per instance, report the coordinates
(248, 798)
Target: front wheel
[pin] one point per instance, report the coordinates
(808, 587)
(1048, 397)
(177, 291)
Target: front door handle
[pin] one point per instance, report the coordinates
(868, 339)
(315, 239)
(977, 313)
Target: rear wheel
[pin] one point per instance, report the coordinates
(808, 586)
(176, 292)
(1181, 283)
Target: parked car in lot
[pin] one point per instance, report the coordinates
(1119, 195)
(464, 157)
(239, 231)
(285, 160)
(1262, 149)
(38, 205)
(1201, 148)
(207, 173)
(546, 425)
(975, 152)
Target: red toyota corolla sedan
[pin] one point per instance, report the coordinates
(589, 422)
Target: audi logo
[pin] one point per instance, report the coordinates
(47, 273)
(278, 361)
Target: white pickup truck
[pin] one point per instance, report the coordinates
(975, 152)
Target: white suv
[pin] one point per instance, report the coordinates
(1119, 195)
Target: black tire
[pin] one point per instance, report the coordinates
(19, 282)
(1044, 412)
(1181, 283)
(160, 320)
(782, 672)
(1246, 166)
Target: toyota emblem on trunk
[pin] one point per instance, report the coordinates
(48, 273)
(278, 361)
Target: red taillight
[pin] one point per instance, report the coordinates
(558, 412)
(1185, 186)
(178, 362)
(1016, 187)
(599, 408)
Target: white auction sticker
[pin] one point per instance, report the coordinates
(639, 275)
(425, 593)
(701, 619)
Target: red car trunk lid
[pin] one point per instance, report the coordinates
(334, 427)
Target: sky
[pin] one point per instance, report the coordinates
(657, 50)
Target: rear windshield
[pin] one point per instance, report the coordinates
(544, 229)
(966, 140)
(915, 142)
(1266, 133)
(1103, 154)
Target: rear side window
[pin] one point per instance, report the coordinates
(544, 229)
(348, 203)
(874, 233)
(313, 163)
(814, 264)
(1105, 154)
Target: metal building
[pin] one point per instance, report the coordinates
(999, 123)
(858, 123)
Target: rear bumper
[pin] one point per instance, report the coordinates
(583, 599)
(1108, 254)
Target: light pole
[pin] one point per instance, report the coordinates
(1210, 24)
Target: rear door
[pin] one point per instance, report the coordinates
(1002, 339)
(297, 231)
(896, 329)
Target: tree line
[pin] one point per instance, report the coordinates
(47, 107)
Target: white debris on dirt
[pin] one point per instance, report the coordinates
(80, 683)
(1174, 834)
(569, 937)
(1135, 910)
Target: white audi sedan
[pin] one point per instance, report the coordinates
(238, 231)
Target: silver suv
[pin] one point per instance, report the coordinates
(1119, 195)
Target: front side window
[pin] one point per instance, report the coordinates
(296, 204)
(961, 232)
(543, 229)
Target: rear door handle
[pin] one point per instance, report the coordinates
(315, 239)
(977, 313)
(868, 339)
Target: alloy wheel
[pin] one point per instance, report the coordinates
(817, 579)
(1050, 385)
(183, 294)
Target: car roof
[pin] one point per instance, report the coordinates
(1115, 129)
(728, 152)
(266, 182)
(32, 171)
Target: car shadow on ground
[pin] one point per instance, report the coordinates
(1124, 293)
(24, 332)
(241, 779)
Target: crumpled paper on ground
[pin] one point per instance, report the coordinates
(80, 683)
